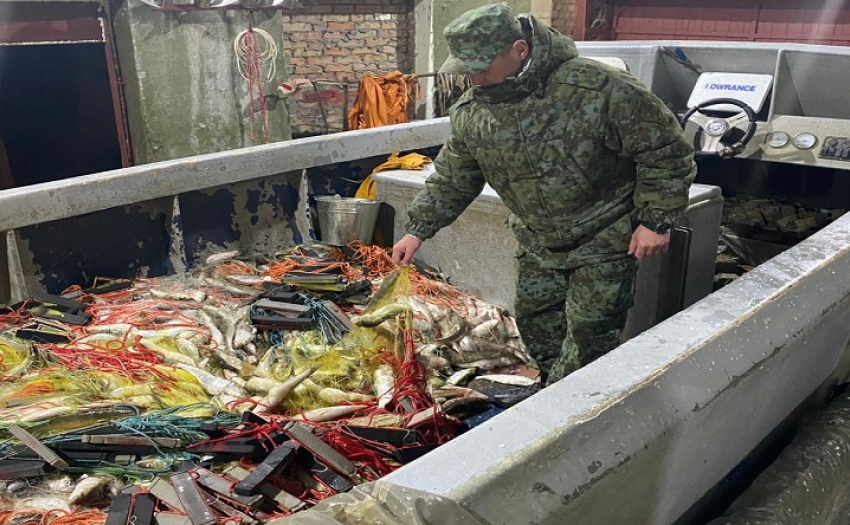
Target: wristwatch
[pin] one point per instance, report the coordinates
(661, 228)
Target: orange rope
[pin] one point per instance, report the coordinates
(380, 264)
(33, 389)
(235, 267)
(61, 517)
(53, 517)
(278, 269)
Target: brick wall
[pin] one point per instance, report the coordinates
(340, 41)
(564, 15)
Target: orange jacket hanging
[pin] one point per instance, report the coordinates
(383, 100)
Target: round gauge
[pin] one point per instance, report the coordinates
(777, 139)
(805, 141)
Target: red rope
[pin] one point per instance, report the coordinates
(254, 72)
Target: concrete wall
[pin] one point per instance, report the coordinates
(183, 91)
(641, 434)
(564, 15)
(157, 218)
(340, 41)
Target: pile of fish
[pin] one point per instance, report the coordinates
(248, 390)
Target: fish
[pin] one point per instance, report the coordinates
(452, 391)
(380, 315)
(461, 376)
(17, 485)
(492, 328)
(213, 384)
(145, 401)
(320, 415)
(46, 414)
(433, 356)
(454, 328)
(60, 485)
(471, 349)
(377, 420)
(508, 379)
(279, 392)
(188, 348)
(153, 463)
(194, 295)
(98, 339)
(221, 257)
(174, 331)
(167, 356)
(90, 487)
(272, 359)
(244, 335)
(132, 390)
(383, 384)
(221, 347)
(421, 311)
(233, 376)
(490, 364)
(505, 390)
(260, 385)
(232, 289)
(120, 329)
(336, 396)
(463, 407)
(247, 279)
(386, 287)
(84, 418)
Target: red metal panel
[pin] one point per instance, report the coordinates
(23, 22)
(812, 21)
(672, 19)
(815, 21)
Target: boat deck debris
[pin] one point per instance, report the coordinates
(248, 390)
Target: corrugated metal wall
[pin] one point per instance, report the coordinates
(810, 21)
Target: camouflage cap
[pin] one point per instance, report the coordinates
(477, 37)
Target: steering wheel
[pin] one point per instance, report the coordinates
(714, 129)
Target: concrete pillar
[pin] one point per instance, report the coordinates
(423, 55)
(184, 93)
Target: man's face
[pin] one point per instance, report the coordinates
(507, 64)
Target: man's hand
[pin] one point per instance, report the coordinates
(645, 243)
(405, 248)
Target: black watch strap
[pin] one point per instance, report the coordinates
(661, 228)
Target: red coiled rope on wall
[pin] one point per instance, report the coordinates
(255, 48)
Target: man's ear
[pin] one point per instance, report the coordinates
(521, 46)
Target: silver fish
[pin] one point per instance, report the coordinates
(461, 376)
(221, 257)
(508, 379)
(214, 385)
(88, 487)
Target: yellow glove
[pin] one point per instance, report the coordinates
(411, 161)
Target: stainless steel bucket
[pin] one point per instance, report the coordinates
(345, 219)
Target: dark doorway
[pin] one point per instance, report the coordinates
(57, 118)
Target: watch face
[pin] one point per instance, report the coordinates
(663, 228)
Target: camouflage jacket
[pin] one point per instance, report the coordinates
(575, 149)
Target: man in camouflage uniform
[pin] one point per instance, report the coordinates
(592, 165)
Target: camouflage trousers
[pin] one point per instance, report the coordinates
(569, 318)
